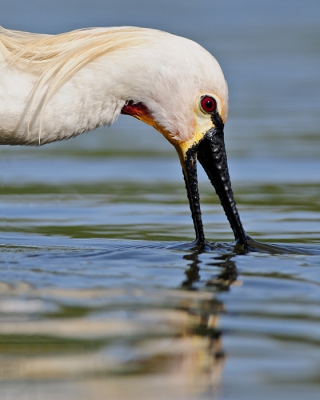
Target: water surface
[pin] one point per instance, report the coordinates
(101, 293)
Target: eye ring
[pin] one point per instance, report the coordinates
(208, 104)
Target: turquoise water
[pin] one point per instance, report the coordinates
(101, 295)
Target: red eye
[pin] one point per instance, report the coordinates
(208, 104)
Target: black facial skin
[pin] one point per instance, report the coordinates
(211, 153)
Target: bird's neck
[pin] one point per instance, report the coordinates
(83, 103)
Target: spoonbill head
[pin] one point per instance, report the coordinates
(54, 87)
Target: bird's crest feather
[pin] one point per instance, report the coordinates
(55, 58)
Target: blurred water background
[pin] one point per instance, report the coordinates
(99, 297)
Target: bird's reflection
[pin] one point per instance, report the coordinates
(168, 340)
(223, 280)
(207, 365)
(193, 271)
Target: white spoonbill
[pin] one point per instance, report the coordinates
(54, 87)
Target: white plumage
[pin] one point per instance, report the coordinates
(88, 76)
(56, 87)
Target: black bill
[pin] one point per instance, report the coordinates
(212, 155)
